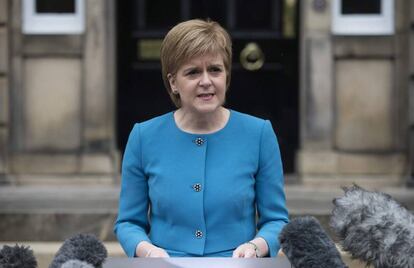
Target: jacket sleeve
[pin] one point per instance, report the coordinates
(132, 226)
(270, 196)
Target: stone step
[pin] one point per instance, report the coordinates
(37, 213)
(104, 199)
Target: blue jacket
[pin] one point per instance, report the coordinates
(196, 195)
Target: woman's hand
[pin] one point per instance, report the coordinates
(157, 252)
(148, 250)
(245, 251)
(255, 248)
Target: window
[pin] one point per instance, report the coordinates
(361, 7)
(366, 17)
(53, 17)
(47, 6)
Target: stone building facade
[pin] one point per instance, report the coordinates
(4, 87)
(355, 108)
(57, 100)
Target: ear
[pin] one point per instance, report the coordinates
(172, 81)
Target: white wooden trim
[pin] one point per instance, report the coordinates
(50, 23)
(381, 24)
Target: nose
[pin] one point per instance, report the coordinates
(205, 80)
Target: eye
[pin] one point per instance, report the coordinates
(215, 69)
(192, 72)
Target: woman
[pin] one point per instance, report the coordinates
(193, 178)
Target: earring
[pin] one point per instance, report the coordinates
(175, 92)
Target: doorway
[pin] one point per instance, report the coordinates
(265, 61)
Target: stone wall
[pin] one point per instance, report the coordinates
(58, 119)
(353, 101)
(316, 73)
(62, 116)
(4, 86)
(411, 97)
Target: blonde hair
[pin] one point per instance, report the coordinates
(190, 39)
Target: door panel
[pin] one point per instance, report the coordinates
(269, 89)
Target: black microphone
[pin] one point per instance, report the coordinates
(17, 257)
(81, 249)
(307, 245)
(374, 228)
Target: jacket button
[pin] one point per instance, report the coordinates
(199, 234)
(197, 187)
(199, 141)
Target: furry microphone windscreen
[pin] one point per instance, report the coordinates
(374, 228)
(76, 264)
(82, 247)
(17, 257)
(307, 245)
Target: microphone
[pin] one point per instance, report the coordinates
(80, 250)
(307, 245)
(17, 257)
(374, 228)
(76, 264)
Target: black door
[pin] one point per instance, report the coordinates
(265, 61)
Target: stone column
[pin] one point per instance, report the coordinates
(4, 88)
(411, 98)
(98, 133)
(316, 106)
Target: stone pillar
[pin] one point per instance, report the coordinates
(63, 102)
(316, 106)
(4, 88)
(316, 77)
(353, 102)
(98, 97)
(411, 98)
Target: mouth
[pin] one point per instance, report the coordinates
(206, 96)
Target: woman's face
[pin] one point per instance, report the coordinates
(201, 83)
